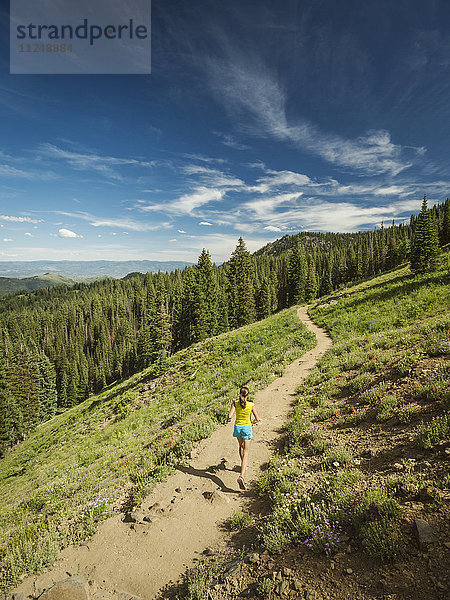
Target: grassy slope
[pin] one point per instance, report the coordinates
(377, 402)
(365, 453)
(107, 452)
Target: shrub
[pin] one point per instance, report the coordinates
(323, 413)
(197, 581)
(405, 412)
(240, 520)
(361, 382)
(337, 457)
(375, 505)
(438, 429)
(386, 407)
(265, 588)
(382, 540)
(373, 395)
(324, 537)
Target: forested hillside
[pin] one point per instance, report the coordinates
(59, 346)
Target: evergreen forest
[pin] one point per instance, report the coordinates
(60, 345)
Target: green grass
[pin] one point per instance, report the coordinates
(240, 520)
(106, 453)
(391, 336)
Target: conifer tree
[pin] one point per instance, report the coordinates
(241, 272)
(298, 272)
(10, 415)
(205, 301)
(445, 226)
(311, 282)
(425, 245)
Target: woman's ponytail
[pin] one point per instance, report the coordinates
(243, 395)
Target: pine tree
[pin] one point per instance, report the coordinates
(241, 272)
(425, 245)
(298, 272)
(10, 415)
(311, 282)
(445, 226)
(205, 301)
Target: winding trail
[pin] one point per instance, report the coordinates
(196, 500)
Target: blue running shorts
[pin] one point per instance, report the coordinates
(243, 431)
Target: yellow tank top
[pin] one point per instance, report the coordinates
(243, 414)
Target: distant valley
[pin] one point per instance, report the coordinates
(41, 273)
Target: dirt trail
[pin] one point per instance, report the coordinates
(143, 560)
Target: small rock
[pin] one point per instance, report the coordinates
(150, 519)
(232, 567)
(216, 497)
(282, 587)
(178, 490)
(252, 557)
(427, 494)
(139, 527)
(288, 572)
(173, 500)
(207, 552)
(18, 596)
(133, 517)
(447, 545)
(348, 571)
(156, 509)
(398, 466)
(425, 532)
(127, 596)
(73, 588)
(349, 549)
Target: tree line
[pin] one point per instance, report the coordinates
(59, 346)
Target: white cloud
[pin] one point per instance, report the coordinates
(213, 177)
(187, 203)
(250, 93)
(28, 234)
(205, 223)
(173, 240)
(8, 240)
(181, 231)
(67, 233)
(19, 219)
(32, 174)
(89, 161)
(116, 222)
(272, 228)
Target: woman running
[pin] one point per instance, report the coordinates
(243, 428)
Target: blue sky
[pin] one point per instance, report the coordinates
(260, 118)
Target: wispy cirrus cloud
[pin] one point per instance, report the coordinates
(90, 161)
(186, 204)
(250, 92)
(116, 222)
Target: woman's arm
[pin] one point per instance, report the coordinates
(231, 413)
(255, 414)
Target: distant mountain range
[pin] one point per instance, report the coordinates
(86, 268)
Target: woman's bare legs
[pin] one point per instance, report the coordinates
(244, 449)
(241, 448)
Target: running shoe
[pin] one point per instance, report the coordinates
(241, 483)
